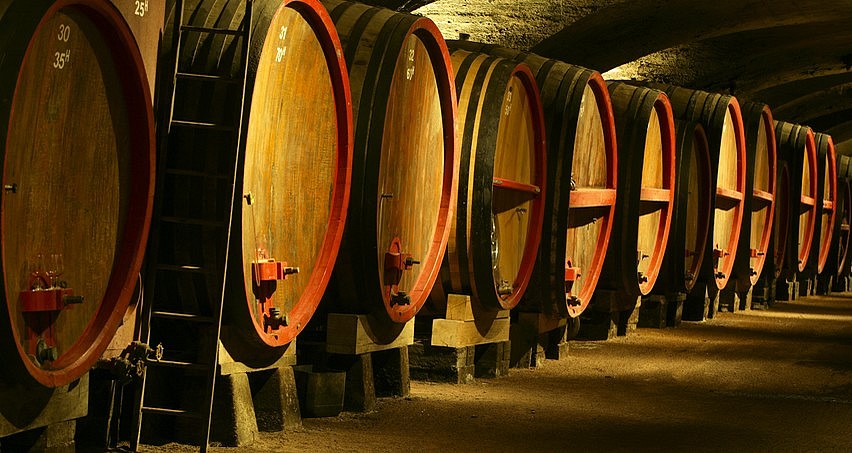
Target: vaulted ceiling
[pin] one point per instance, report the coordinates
(795, 55)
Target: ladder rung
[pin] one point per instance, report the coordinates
(202, 125)
(183, 316)
(192, 221)
(218, 31)
(174, 412)
(177, 364)
(198, 174)
(183, 268)
(207, 77)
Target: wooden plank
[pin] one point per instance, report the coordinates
(654, 194)
(762, 195)
(730, 194)
(588, 198)
(352, 334)
(26, 408)
(509, 184)
(460, 308)
(458, 334)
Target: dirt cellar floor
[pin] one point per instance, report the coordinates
(777, 380)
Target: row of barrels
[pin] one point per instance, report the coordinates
(391, 167)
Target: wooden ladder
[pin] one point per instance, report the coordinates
(185, 308)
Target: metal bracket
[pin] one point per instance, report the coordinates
(131, 362)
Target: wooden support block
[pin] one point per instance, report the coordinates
(275, 399)
(728, 301)
(391, 372)
(744, 299)
(28, 408)
(383, 373)
(492, 360)
(697, 304)
(839, 285)
(653, 311)
(674, 309)
(628, 319)
(824, 284)
(442, 364)
(536, 337)
(807, 286)
(457, 334)
(320, 393)
(763, 293)
(353, 335)
(787, 290)
(460, 308)
(598, 325)
(228, 365)
(234, 423)
(359, 394)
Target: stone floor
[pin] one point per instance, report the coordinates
(776, 380)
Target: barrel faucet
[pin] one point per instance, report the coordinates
(400, 298)
(274, 320)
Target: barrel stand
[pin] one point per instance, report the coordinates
(733, 300)
(537, 337)
(840, 284)
(609, 314)
(787, 290)
(702, 303)
(659, 311)
(42, 419)
(249, 399)
(466, 344)
(824, 284)
(373, 367)
(763, 294)
(807, 286)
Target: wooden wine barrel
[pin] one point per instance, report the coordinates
(646, 181)
(826, 202)
(796, 144)
(781, 221)
(843, 225)
(760, 204)
(580, 190)
(78, 177)
(405, 167)
(497, 226)
(691, 212)
(722, 120)
(293, 175)
(836, 264)
(145, 19)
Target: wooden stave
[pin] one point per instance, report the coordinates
(23, 21)
(349, 292)
(795, 143)
(711, 110)
(474, 260)
(242, 333)
(827, 172)
(674, 273)
(562, 86)
(755, 114)
(617, 262)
